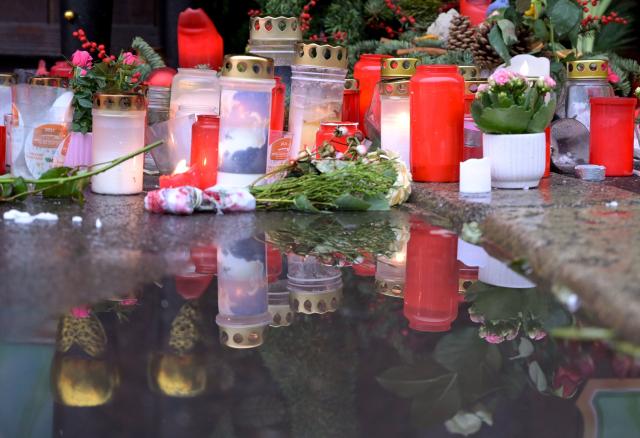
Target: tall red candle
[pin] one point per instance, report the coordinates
(198, 40)
(367, 72)
(437, 116)
(204, 149)
(612, 121)
(351, 101)
(277, 105)
(476, 10)
(431, 287)
(3, 149)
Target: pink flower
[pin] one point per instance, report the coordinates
(494, 339)
(613, 77)
(129, 302)
(80, 312)
(501, 76)
(83, 72)
(81, 58)
(482, 88)
(129, 58)
(549, 82)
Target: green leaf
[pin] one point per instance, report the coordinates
(63, 189)
(537, 376)
(508, 32)
(302, 203)
(351, 203)
(499, 303)
(497, 42)
(410, 381)
(85, 103)
(378, 203)
(525, 349)
(461, 349)
(542, 117)
(565, 16)
(513, 120)
(438, 405)
(19, 187)
(540, 30)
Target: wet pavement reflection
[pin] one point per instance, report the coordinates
(321, 326)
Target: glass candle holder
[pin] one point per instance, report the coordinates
(199, 42)
(586, 79)
(158, 103)
(367, 72)
(336, 134)
(319, 73)
(277, 105)
(315, 288)
(204, 149)
(245, 110)
(242, 293)
(276, 38)
(351, 101)
(6, 107)
(395, 126)
(194, 87)
(118, 129)
(431, 287)
(612, 120)
(437, 116)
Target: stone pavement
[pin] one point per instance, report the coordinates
(579, 235)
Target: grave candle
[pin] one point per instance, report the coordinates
(475, 176)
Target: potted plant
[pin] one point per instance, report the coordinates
(513, 111)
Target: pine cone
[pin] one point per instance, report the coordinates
(461, 34)
(484, 56)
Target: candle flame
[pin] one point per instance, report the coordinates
(181, 167)
(524, 68)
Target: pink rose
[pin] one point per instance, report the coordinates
(81, 58)
(501, 76)
(80, 312)
(129, 58)
(613, 77)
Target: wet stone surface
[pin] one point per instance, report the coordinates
(574, 234)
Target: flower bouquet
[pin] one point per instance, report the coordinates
(513, 112)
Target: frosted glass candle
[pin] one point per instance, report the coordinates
(395, 124)
(116, 132)
(475, 176)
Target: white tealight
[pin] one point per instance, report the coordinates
(76, 220)
(13, 214)
(51, 217)
(475, 176)
(98, 223)
(24, 219)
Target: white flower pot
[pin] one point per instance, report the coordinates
(517, 160)
(497, 273)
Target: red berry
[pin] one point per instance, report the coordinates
(75, 34)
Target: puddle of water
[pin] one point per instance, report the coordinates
(328, 326)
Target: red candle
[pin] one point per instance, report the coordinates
(3, 149)
(547, 169)
(182, 176)
(192, 285)
(327, 133)
(351, 101)
(437, 117)
(274, 263)
(199, 42)
(204, 149)
(431, 287)
(612, 120)
(277, 105)
(205, 258)
(367, 72)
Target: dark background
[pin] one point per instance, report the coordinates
(35, 29)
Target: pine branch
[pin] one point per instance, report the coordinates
(146, 51)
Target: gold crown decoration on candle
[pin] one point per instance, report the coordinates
(588, 69)
(469, 72)
(7, 79)
(316, 302)
(175, 375)
(242, 336)
(47, 81)
(321, 55)
(398, 67)
(464, 284)
(281, 315)
(82, 382)
(119, 102)
(351, 84)
(275, 29)
(390, 288)
(398, 88)
(471, 87)
(247, 67)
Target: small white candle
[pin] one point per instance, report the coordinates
(530, 66)
(475, 176)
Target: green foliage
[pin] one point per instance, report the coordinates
(344, 16)
(424, 11)
(146, 52)
(513, 108)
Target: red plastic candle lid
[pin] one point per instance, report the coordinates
(626, 101)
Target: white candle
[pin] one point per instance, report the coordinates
(530, 66)
(475, 176)
(395, 124)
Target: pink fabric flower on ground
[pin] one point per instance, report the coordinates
(129, 58)
(613, 77)
(82, 59)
